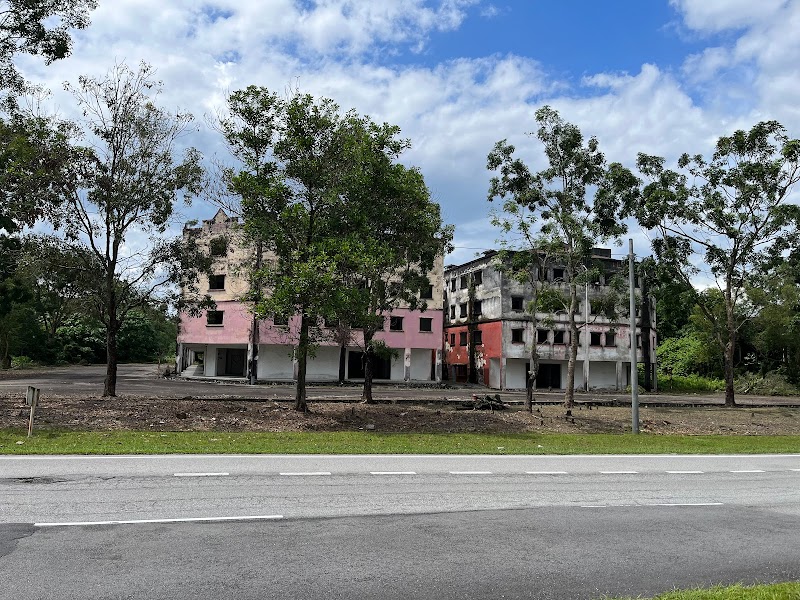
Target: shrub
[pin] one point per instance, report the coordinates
(690, 383)
(22, 362)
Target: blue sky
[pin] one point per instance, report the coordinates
(657, 76)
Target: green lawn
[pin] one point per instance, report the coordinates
(781, 591)
(148, 442)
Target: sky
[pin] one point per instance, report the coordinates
(657, 76)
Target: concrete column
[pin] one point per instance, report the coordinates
(179, 360)
(620, 375)
(295, 365)
(438, 369)
(503, 364)
(407, 365)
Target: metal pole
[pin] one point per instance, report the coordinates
(634, 370)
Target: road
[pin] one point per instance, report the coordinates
(394, 526)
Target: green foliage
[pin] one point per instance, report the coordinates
(690, 384)
(22, 362)
(687, 355)
(773, 383)
(82, 341)
(37, 27)
(778, 591)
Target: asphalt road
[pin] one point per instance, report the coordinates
(141, 380)
(394, 526)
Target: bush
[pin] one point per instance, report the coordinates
(22, 362)
(690, 383)
(773, 383)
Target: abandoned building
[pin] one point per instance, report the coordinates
(231, 342)
(488, 333)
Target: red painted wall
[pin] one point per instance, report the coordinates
(492, 346)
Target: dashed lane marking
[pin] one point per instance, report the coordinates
(748, 471)
(144, 521)
(684, 472)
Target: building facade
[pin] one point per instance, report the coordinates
(488, 334)
(231, 342)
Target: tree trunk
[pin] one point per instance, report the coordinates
(369, 354)
(342, 363)
(569, 392)
(300, 403)
(729, 350)
(110, 386)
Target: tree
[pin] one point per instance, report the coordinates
(290, 178)
(120, 209)
(38, 27)
(732, 212)
(555, 198)
(392, 234)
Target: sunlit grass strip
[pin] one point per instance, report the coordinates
(210, 442)
(780, 591)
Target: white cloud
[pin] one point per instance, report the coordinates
(718, 15)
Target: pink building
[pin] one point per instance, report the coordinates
(230, 342)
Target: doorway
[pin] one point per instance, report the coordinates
(549, 376)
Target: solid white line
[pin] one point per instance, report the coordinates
(392, 473)
(683, 472)
(685, 504)
(313, 473)
(142, 521)
(546, 472)
(748, 471)
(618, 472)
(470, 472)
(200, 474)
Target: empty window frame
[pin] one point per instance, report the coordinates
(517, 336)
(218, 246)
(463, 308)
(216, 282)
(426, 293)
(477, 337)
(611, 338)
(594, 338)
(214, 317)
(462, 338)
(395, 323)
(452, 312)
(280, 320)
(558, 274)
(477, 308)
(464, 282)
(425, 324)
(453, 285)
(452, 339)
(542, 335)
(517, 303)
(558, 337)
(477, 277)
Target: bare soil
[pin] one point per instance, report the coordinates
(156, 414)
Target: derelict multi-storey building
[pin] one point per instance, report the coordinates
(489, 335)
(230, 342)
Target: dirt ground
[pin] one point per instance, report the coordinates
(136, 413)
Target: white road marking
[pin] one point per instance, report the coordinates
(685, 504)
(748, 471)
(313, 473)
(596, 506)
(200, 474)
(470, 472)
(618, 472)
(683, 472)
(794, 469)
(142, 521)
(392, 473)
(546, 472)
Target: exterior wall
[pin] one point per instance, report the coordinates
(275, 362)
(421, 361)
(235, 329)
(602, 375)
(516, 373)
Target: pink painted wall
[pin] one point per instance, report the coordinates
(237, 321)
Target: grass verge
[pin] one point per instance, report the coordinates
(780, 591)
(210, 442)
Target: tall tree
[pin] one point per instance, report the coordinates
(391, 231)
(731, 212)
(38, 27)
(290, 176)
(569, 220)
(122, 205)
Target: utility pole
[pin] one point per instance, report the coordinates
(634, 370)
(586, 337)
